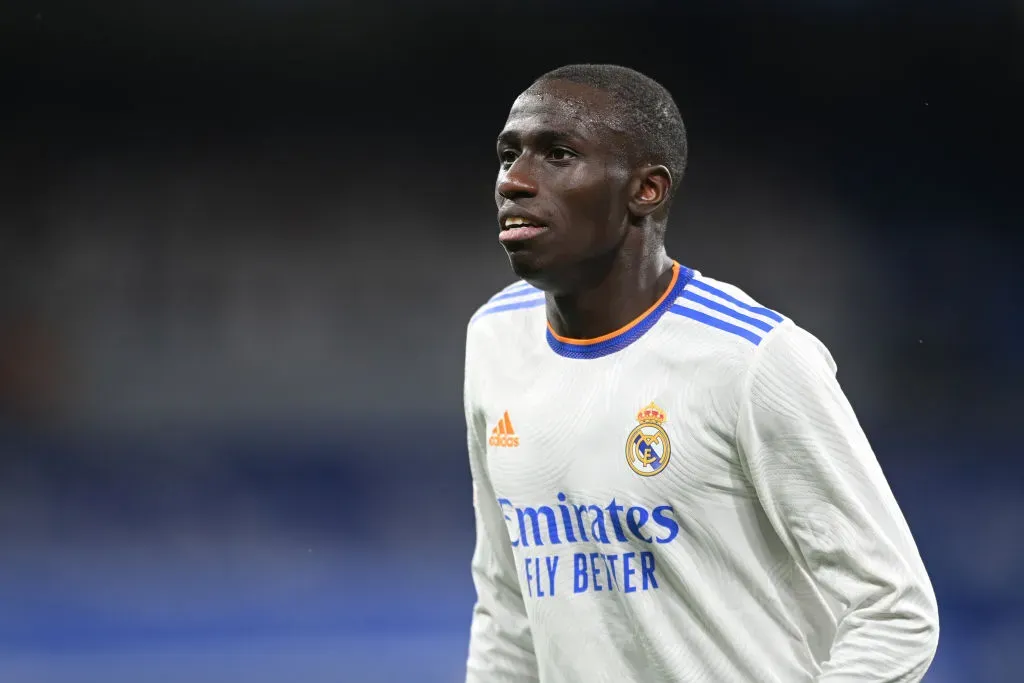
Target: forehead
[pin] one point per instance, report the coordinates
(568, 108)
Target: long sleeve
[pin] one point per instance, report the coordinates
(500, 645)
(824, 492)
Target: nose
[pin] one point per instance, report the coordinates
(515, 182)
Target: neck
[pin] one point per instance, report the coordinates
(613, 298)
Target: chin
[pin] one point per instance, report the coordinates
(527, 265)
(536, 270)
(558, 272)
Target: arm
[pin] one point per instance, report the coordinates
(500, 644)
(825, 494)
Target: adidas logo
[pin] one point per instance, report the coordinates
(503, 435)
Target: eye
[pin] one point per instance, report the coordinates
(561, 154)
(507, 157)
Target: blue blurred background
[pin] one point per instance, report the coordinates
(240, 243)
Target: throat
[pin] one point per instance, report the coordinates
(612, 306)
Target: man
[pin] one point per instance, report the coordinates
(669, 483)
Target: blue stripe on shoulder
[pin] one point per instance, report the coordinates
(520, 291)
(760, 310)
(722, 308)
(712, 321)
(515, 305)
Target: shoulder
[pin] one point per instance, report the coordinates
(730, 322)
(744, 347)
(723, 315)
(515, 306)
(772, 341)
(509, 303)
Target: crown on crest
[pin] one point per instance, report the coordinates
(651, 413)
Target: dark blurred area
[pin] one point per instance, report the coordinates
(241, 241)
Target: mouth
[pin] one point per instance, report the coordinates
(519, 229)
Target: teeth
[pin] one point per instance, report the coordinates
(513, 221)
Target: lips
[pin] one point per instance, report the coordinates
(517, 226)
(521, 233)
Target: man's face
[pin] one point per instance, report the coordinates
(563, 184)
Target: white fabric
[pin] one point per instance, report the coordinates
(769, 549)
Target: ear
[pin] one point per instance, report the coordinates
(649, 190)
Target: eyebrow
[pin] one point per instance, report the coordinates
(544, 136)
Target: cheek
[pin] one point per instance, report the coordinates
(599, 199)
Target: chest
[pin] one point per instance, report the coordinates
(629, 427)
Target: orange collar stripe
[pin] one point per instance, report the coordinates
(625, 328)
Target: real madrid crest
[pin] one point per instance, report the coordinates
(647, 447)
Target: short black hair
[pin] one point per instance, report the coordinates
(654, 124)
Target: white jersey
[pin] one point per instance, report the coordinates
(689, 499)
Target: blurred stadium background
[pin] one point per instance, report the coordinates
(240, 243)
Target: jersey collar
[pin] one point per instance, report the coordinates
(624, 336)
